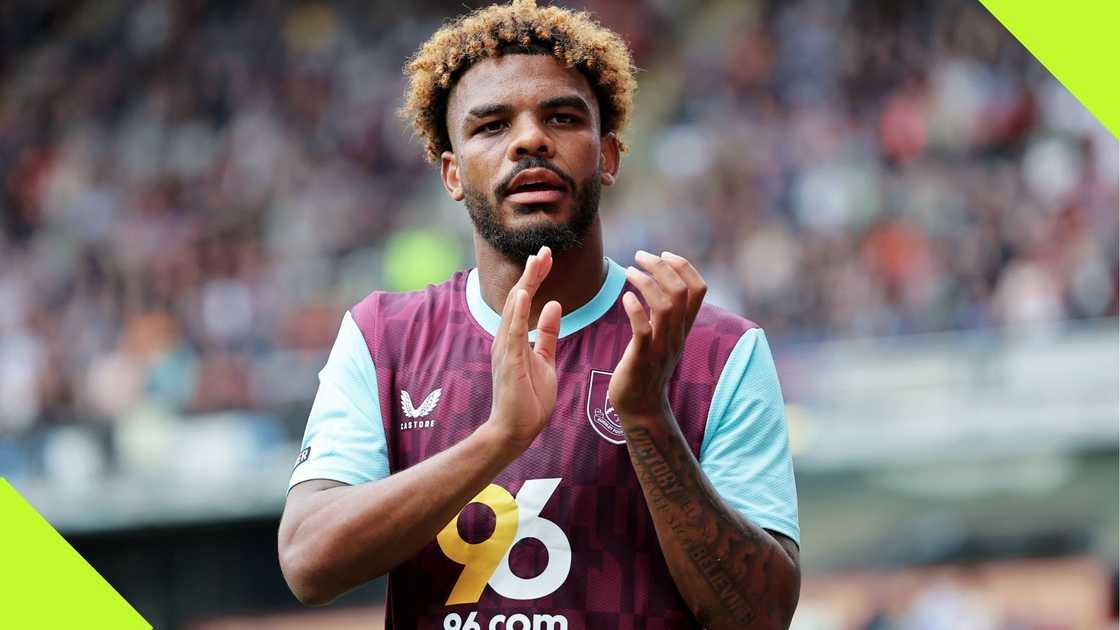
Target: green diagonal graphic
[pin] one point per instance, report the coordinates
(1077, 41)
(44, 583)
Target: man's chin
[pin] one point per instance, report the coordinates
(519, 242)
(517, 230)
(551, 212)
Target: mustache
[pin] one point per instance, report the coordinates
(532, 162)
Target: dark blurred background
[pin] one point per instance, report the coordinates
(923, 219)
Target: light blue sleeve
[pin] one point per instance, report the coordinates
(344, 440)
(745, 451)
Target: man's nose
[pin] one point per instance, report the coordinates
(530, 138)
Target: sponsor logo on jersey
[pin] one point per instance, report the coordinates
(600, 412)
(486, 563)
(518, 621)
(425, 408)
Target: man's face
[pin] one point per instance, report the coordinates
(528, 159)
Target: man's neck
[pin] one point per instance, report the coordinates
(576, 276)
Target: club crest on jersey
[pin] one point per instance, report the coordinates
(414, 414)
(600, 412)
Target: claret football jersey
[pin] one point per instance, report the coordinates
(561, 539)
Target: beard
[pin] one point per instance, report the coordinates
(517, 244)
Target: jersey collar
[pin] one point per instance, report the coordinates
(569, 322)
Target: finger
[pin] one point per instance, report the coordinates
(672, 284)
(697, 287)
(548, 330)
(536, 269)
(507, 311)
(660, 305)
(639, 324)
(532, 267)
(518, 332)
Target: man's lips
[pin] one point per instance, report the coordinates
(529, 197)
(536, 185)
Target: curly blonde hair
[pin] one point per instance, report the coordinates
(574, 38)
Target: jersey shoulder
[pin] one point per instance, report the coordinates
(429, 306)
(715, 321)
(409, 329)
(713, 338)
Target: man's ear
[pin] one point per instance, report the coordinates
(449, 171)
(610, 156)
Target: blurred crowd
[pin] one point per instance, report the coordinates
(1033, 594)
(880, 168)
(195, 191)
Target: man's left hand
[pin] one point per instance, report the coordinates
(674, 291)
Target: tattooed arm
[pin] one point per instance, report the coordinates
(730, 572)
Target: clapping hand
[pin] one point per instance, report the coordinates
(524, 375)
(674, 291)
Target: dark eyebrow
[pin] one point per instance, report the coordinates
(482, 111)
(559, 102)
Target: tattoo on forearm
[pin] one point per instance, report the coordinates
(730, 556)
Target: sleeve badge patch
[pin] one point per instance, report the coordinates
(303, 455)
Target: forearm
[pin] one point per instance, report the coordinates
(349, 535)
(730, 572)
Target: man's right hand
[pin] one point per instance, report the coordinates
(524, 376)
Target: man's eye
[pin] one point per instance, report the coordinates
(491, 127)
(564, 119)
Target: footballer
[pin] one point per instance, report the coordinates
(549, 440)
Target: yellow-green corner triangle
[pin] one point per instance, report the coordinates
(45, 583)
(1077, 42)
